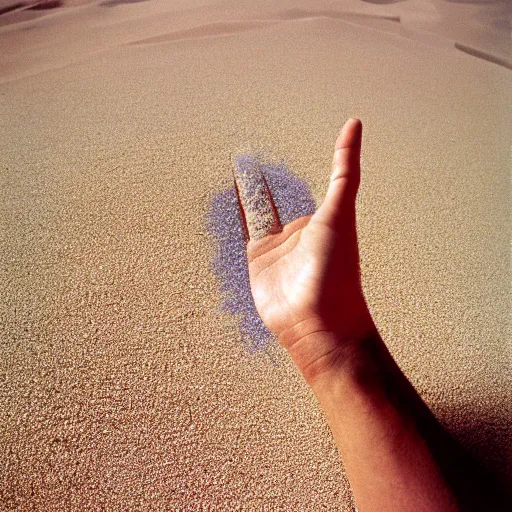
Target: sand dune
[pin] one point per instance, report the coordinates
(485, 27)
(123, 384)
(226, 28)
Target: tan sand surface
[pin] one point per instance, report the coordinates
(122, 384)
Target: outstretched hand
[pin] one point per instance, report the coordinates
(306, 285)
(305, 280)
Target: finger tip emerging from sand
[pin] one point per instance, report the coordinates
(256, 204)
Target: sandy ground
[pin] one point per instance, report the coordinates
(122, 384)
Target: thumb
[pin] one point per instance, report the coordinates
(345, 176)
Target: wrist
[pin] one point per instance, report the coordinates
(362, 365)
(322, 354)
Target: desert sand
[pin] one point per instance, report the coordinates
(123, 384)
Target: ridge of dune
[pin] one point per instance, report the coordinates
(207, 30)
(11, 7)
(475, 52)
(233, 27)
(292, 14)
(34, 5)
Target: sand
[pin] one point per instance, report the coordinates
(123, 385)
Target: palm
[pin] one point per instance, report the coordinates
(305, 278)
(308, 274)
(283, 277)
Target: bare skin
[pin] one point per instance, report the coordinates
(306, 285)
(305, 280)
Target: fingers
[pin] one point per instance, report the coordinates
(258, 212)
(345, 175)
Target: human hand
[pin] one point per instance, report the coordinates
(305, 278)
(306, 286)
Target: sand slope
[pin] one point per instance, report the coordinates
(122, 385)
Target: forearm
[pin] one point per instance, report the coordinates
(383, 431)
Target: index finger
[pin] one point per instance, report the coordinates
(257, 208)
